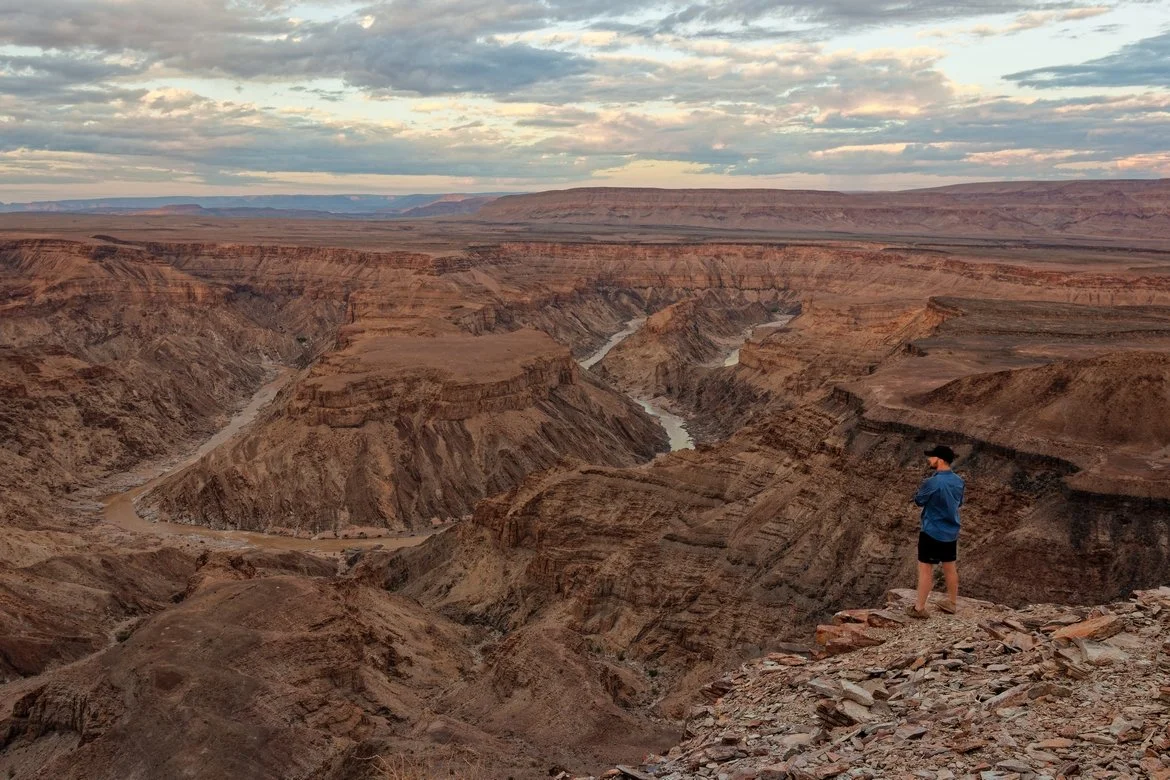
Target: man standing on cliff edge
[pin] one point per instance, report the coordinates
(940, 497)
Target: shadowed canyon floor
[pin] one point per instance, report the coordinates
(411, 506)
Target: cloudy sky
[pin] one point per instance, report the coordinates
(161, 97)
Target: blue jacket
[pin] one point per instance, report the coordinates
(940, 497)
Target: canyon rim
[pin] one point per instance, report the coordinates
(483, 390)
(353, 503)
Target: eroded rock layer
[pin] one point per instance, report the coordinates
(760, 542)
(575, 617)
(1032, 209)
(400, 432)
(112, 356)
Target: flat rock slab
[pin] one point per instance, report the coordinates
(1101, 627)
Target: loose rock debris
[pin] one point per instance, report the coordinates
(991, 693)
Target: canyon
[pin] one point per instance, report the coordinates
(501, 496)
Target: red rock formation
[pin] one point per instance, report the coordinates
(1119, 399)
(706, 557)
(677, 339)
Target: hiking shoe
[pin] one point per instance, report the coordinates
(914, 612)
(948, 606)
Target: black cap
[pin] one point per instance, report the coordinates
(942, 451)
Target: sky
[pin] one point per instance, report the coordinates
(104, 98)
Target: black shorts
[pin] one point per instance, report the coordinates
(931, 550)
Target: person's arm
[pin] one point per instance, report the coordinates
(924, 492)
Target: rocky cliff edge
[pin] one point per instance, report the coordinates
(989, 693)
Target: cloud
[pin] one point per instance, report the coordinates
(64, 79)
(133, 25)
(179, 130)
(1000, 137)
(768, 18)
(559, 117)
(797, 111)
(1144, 63)
(1026, 21)
(853, 12)
(436, 47)
(787, 80)
(383, 59)
(544, 92)
(433, 47)
(428, 46)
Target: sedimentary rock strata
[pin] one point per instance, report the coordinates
(678, 351)
(403, 432)
(758, 542)
(589, 593)
(1032, 209)
(111, 356)
(260, 675)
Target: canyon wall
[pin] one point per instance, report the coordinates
(368, 431)
(706, 558)
(400, 433)
(112, 356)
(594, 589)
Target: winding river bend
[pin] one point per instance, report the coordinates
(632, 327)
(776, 324)
(119, 509)
(675, 426)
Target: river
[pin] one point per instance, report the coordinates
(119, 508)
(632, 327)
(776, 324)
(675, 426)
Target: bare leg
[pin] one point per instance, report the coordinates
(925, 583)
(951, 573)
